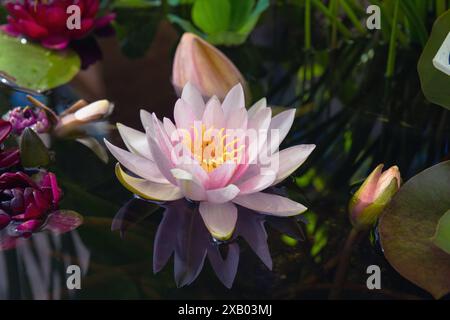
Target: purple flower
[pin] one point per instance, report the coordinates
(22, 118)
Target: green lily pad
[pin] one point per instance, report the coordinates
(407, 227)
(442, 236)
(35, 67)
(435, 84)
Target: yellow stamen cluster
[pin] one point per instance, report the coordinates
(212, 147)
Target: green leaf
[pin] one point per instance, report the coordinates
(442, 235)
(184, 24)
(435, 84)
(212, 16)
(33, 152)
(407, 227)
(240, 13)
(35, 67)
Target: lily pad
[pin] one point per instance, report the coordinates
(434, 82)
(35, 67)
(442, 236)
(408, 225)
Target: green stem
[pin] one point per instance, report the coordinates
(334, 9)
(340, 26)
(344, 261)
(307, 24)
(393, 42)
(165, 7)
(353, 17)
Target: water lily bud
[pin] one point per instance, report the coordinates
(375, 193)
(203, 65)
(92, 112)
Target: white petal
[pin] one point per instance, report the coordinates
(147, 189)
(234, 100)
(193, 97)
(135, 141)
(223, 194)
(282, 123)
(220, 219)
(291, 159)
(140, 166)
(270, 204)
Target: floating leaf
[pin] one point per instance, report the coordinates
(35, 67)
(442, 236)
(435, 83)
(407, 227)
(33, 152)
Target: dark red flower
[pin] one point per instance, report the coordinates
(46, 20)
(9, 157)
(26, 202)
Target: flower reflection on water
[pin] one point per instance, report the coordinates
(183, 234)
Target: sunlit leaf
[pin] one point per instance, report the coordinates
(407, 227)
(212, 16)
(35, 67)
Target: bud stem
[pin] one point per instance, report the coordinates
(344, 261)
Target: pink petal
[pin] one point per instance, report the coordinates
(270, 204)
(55, 42)
(291, 159)
(282, 123)
(184, 115)
(32, 29)
(257, 183)
(140, 166)
(260, 104)
(163, 163)
(135, 141)
(234, 100)
(213, 116)
(190, 188)
(222, 195)
(193, 98)
(220, 219)
(221, 176)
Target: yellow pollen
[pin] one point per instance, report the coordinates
(209, 148)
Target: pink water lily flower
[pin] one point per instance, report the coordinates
(218, 154)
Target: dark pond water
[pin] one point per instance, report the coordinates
(345, 105)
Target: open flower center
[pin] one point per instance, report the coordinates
(213, 147)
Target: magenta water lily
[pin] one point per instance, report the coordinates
(217, 154)
(46, 21)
